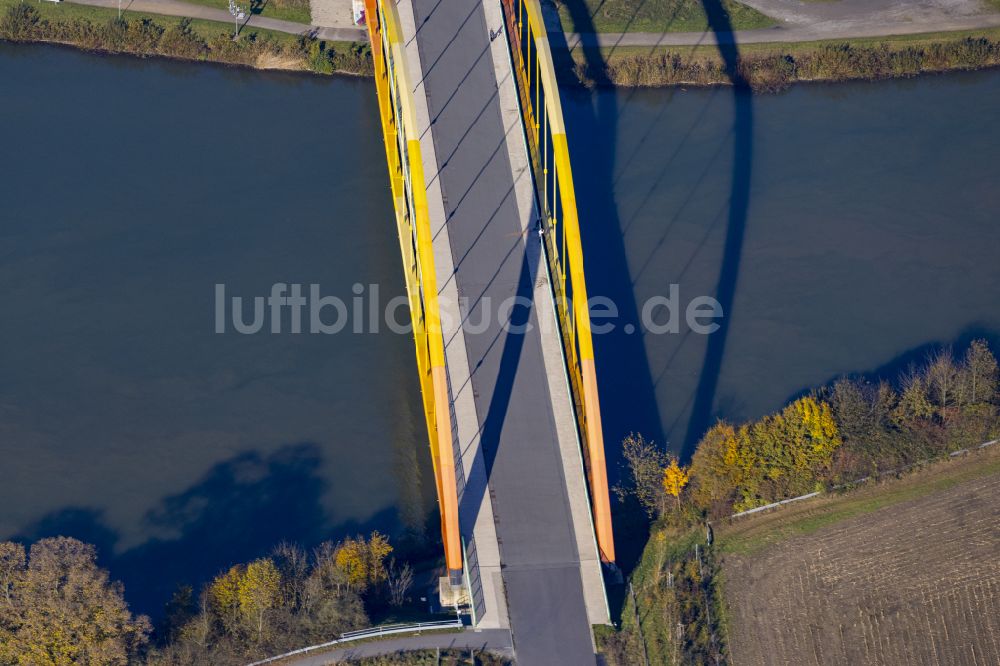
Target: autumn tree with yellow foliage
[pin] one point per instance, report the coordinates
(849, 430)
(675, 478)
(244, 596)
(57, 608)
(363, 560)
(776, 457)
(278, 603)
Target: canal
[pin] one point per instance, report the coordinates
(864, 231)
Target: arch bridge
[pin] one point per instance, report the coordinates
(490, 241)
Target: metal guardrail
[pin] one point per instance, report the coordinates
(541, 113)
(394, 87)
(774, 504)
(374, 632)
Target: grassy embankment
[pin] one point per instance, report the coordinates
(141, 34)
(656, 16)
(675, 614)
(774, 66)
(765, 67)
(286, 10)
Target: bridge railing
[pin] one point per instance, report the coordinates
(541, 112)
(394, 87)
(380, 631)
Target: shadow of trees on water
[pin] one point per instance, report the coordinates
(897, 367)
(239, 510)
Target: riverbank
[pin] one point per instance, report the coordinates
(141, 34)
(769, 67)
(763, 67)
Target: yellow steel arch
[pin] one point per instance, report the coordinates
(541, 111)
(406, 173)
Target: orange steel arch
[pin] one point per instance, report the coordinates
(541, 112)
(406, 174)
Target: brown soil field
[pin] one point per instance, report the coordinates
(905, 572)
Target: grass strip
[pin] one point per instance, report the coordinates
(749, 536)
(657, 16)
(143, 34)
(774, 66)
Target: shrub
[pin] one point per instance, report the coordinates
(21, 23)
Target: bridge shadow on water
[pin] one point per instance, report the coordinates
(239, 510)
(739, 203)
(628, 387)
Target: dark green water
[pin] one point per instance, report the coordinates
(128, 189)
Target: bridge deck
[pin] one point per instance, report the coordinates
(522, 422)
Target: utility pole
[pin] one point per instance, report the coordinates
(238, 15)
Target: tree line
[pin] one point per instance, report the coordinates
(836, 435)
(58, 607)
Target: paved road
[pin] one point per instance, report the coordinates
(776, 34)
(495, 640)
(181, 8)
(494, 261)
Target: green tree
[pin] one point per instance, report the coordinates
(914, 402)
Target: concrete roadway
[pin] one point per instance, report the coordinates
(495, 261)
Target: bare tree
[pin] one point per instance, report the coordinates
(645, 467)
(293, 563)
(399, 581)
(942, 380)
(979, 373)
(12, 563)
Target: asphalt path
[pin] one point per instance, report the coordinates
(191, 10)
(494, 640)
